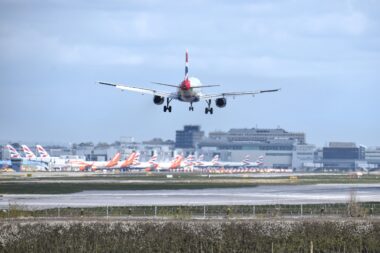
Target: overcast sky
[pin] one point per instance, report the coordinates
(323, 54)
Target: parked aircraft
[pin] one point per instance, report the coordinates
(132, 158)
(147, 166)
(28, 153)
(244, 163)
(189, 91)
(94, 165)
(29, 160)
(57, 163)
(174, 164)
(13, 152)
(202, 164)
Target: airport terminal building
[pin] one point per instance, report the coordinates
(280, 148)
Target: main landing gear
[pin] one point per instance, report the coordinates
(209, 109)
(191, 108)
(168, 107)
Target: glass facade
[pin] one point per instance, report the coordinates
(188, 137)
(341, 153)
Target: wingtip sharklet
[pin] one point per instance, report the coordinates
(274, 90)
(109, 84)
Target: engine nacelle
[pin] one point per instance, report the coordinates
(158, 100)
(221, 102)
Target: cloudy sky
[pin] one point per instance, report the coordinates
(325, 55)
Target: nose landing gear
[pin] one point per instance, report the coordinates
(191, 108)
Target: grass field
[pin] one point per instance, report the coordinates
(71, 184)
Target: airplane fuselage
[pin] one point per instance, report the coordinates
(189, 90)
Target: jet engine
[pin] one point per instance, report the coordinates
(158, 100)
(221, 102)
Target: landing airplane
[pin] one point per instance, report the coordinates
(189, 91)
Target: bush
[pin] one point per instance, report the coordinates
(190, 236)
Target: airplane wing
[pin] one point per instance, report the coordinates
(233, 94)
(141, 90)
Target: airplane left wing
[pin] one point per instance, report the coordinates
(233, 94)
(140, 90)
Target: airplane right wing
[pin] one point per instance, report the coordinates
(141, 90)
(233, 94)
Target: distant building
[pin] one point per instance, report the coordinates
(303, 157)
(343, 156)
(372, 156)
(276, 154)
(57, 151)
(279, 148)
(189, 137)
(163, 149)
(257, 135)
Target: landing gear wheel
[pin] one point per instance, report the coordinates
(168, 107)
(209, 108)
(191, 108)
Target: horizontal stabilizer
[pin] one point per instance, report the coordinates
(207, 86)
(178, 86)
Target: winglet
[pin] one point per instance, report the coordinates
(110, 84)
(263, 91)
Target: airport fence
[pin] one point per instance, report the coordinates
(369, 209)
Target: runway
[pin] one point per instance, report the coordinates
(261, 195)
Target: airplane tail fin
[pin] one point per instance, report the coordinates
(246, 160)
(42, 152)
(260, 160)
(136, 159)
(153, 159)
(152, 163)
(13, 152)
(199, 161)
(114, 160)
(176, 162)
(28, 153)
(187, 65)
(190, 160)
(215, 160)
